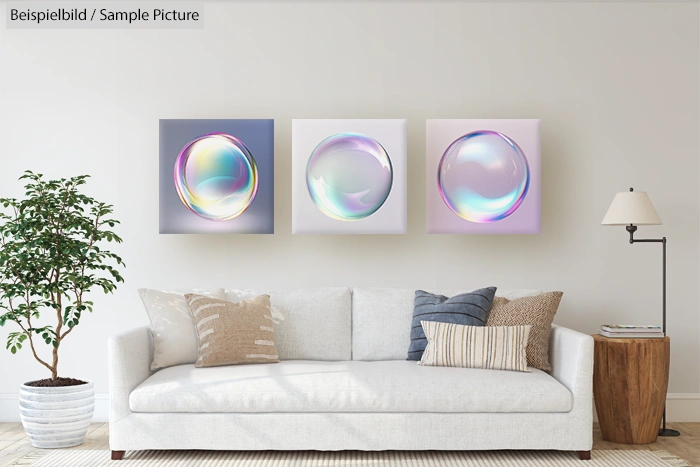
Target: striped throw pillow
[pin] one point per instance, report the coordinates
(492, 348)
(467, 309)
(233, 333)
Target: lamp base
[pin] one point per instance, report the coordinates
(669, 432)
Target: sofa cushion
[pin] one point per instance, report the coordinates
(310, 324)
(381, 319)
(352, 386)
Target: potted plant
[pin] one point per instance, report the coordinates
(51, 256)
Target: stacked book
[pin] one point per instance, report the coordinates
(630, 331)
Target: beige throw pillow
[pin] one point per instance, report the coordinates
(233, 333)
(538, 312)
(491, 348)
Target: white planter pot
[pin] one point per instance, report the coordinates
(56, 417)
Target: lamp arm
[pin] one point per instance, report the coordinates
(633, 228)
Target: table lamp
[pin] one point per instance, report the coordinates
(633, 208)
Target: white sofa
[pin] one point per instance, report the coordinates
(344, 384)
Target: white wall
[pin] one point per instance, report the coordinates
(616, 87)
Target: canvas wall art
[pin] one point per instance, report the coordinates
(216, 176)
(349, 176)
(483, 176)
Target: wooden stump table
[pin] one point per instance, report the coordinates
(630, 379)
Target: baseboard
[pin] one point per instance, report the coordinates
(680, 407)
(9, 408)
(683, 407)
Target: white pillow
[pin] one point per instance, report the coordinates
(174, 336)
(239, 295)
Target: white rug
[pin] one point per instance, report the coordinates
(57, 458)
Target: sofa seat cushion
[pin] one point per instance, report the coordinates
(349, 386)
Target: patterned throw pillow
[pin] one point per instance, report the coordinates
(468, 309)
(538, 312)
(233, 333)
(491, 348)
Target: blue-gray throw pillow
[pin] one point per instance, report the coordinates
(467, 309)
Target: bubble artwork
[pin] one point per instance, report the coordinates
(349, 176)
(483, 176)
(216, 176)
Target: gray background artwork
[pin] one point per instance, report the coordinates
(257, 135)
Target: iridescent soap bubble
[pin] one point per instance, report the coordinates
(349, 176)
(216, 176)
(483, 176)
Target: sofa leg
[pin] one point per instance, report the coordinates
(117, 455)
(584, 455)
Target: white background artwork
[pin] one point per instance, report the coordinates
(308, 217)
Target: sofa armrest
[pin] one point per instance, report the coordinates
(571, 356)
(129, 360)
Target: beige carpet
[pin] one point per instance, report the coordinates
(41, 458)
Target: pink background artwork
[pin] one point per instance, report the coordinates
(485, 180)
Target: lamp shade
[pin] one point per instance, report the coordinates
(631, 207)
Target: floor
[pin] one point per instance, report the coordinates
(14, 444)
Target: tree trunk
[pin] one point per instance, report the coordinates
(59, 315)
(54, 366)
